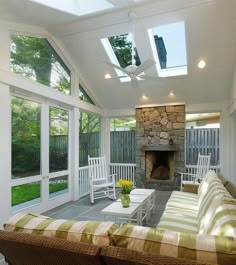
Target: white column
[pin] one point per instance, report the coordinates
(75, 154)
(228, 145)
(105, 138)
(5, 152)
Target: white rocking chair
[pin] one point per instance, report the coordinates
(203, 165)
(101, 184)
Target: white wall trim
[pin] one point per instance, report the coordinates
(25, 84)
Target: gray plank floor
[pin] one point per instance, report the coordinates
(83, 210)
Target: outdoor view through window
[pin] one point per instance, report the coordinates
(36, 59)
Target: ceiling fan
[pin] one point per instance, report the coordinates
(134, 72)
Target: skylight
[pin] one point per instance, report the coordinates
(77, 7)
(119, 51)
(169, 49)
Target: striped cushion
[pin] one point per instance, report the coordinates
(220, 218)
(183, 200)
(215, 190)
(95, 232)
(207, 248)
(205, 185)
(209, 175)
(179, 223)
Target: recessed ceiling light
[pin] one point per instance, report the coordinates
(107, 76)
(201, 64)
(144, 96)
(171, 93)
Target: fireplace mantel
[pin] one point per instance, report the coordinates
(160, 148)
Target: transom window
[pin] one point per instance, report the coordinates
(119, 51)
(84, 96)
(36, 59)
(169, 49)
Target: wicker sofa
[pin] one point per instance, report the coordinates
(194, 229)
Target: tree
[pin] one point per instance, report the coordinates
(124, 122)
(36, 59)
(89, 137)
(122, 48)
(25, 137)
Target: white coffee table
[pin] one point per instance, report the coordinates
(118, 211)
(142, 200)
(151, 198)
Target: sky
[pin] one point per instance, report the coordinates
(174, 40)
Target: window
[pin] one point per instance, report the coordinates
(77, 7)
(119, 51)
(36, 59)
(202, 136)
(169, 49)
(122, 140)
(84, 96)
(89, 138)
(26, 137)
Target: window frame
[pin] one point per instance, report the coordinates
(60, 52)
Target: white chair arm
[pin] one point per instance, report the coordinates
(188, 174)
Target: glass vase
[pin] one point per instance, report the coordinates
(125, 200)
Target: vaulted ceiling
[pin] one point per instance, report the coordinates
(210, 34)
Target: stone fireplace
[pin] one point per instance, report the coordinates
(160, 155)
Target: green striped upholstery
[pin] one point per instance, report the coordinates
(182, 212)
(207, 248)
(205, 186)
(220, 218)
(183, 200)
(95, 232)
(179, 223)
(214, 190)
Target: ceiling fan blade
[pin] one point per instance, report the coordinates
(134, 82)
(150, 77)
(119, 76)
(144, 66)
(117, 67)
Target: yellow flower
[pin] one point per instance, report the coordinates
(125, 186)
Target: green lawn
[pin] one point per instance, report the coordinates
(28, 192)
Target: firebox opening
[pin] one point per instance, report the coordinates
(159, 165)
(161, 169)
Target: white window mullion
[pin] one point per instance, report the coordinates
(45, 153)
(75, 153)
(5, 152)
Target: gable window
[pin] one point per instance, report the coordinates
(169, 49)
(84, 96)
(119, 51)
(36, 59)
